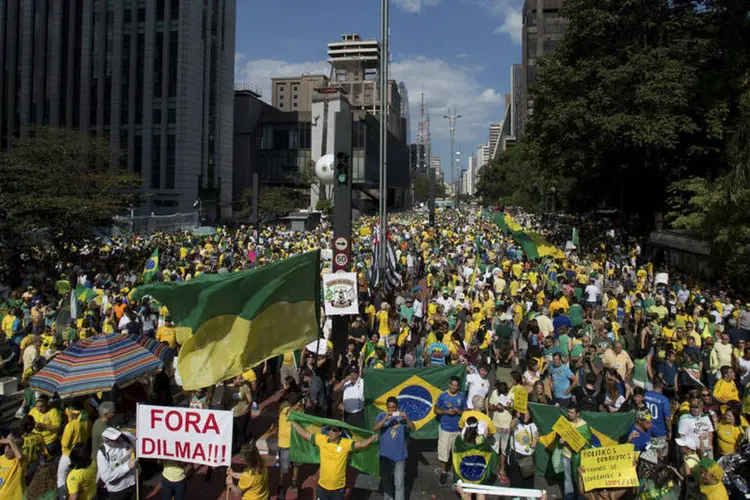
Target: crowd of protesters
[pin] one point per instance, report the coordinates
(604, 331)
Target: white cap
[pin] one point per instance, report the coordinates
(111, 434)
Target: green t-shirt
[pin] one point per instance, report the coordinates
(576, 315)
(640, 372)
(563, 344)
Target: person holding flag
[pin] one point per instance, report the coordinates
(334, 457)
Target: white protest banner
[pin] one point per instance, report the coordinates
(184, 434)
(661, 278)
(340, 294)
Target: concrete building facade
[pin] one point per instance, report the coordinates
(543, 29)
(154, 76)
(295, 93)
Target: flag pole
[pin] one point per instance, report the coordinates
(384, 29)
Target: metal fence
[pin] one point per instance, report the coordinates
(146, 224)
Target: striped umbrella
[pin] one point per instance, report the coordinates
(158, 349)
(95, 365)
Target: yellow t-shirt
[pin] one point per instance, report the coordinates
(11, 478)
(383, 328)
(254, 484)
(333, 460)
(173, 471)
(715, 491)
(402, 336)
(8, 321)
(53, 418)
(75, 432)
(167, 334)
(288, 358)
(727, 437)
(285, 428)
(83, 482)
(249, 376)
(726, 391)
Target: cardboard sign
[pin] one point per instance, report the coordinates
(184, 434)
(340, 293)
(570, 434)
(609, 467)
(521, 400)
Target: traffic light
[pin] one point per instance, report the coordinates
(342, 169)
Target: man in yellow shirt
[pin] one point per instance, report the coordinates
(81, 482)
(77, 430)
(334, 456)
(48, 421)
(167, 333)
(12, 469)
(725, 389)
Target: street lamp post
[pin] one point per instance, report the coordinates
(384, 42)
(452, 117)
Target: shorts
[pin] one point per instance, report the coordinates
(285, 461)
(445, 444)
(500, 445)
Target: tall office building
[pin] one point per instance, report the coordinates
(495, 130)
(295, 93)
(543, 28)
(154, 76)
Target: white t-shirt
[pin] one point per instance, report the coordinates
(476, 386)
(354, 396)
(592, 293)
(418, 309)
(696, 428)
(744, 370)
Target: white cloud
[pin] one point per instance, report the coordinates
(512, 25)
(447, 85)
(260, 71)
(415, 6)
(510, 14)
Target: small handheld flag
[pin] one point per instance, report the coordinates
(151, 267)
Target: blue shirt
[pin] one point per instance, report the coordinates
(639, 438)
(561, 380)
(668, 373)
(449, 423)
(658, 405)
(393, 436)
(560, 322)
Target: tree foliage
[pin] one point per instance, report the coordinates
(638, 95)
(422, 188)
(61, 183)
(275, 201)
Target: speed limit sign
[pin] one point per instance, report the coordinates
(341, 259)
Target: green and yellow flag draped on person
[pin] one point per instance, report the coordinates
(151, 268)
(366, 460)
(417, 391)
(473, 463)
(238, 320)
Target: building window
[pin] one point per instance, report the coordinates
(294, 97)
(156, 162)
(295, 88)
(138, 154)
(294, 105)
(171, 160)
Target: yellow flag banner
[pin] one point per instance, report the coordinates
(569, 433)
(521, 400)
(610, 467)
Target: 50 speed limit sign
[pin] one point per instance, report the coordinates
(341, 259)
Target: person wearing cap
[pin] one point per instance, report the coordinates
(115, 461)
(640, 432)
(710, 475)
(335, 451)
(696, 425)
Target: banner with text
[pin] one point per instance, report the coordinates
(184, 434)
(610, 467)
(569, 433)
(340, 294)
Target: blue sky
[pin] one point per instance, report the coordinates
(459, 51)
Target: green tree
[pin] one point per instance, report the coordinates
(422, 188)
(62, 184)
(639, 94)
(275, 201)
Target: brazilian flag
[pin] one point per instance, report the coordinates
(303, 451)
(368, 353)
(602, 429)
(473, 463)
(85, 294)
(152, 267)
(417, 391)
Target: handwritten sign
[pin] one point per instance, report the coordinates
(184, 434)
(609, 467)
(569, 433)
(521, 400)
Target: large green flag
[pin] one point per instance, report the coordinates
(474, 463)
(238, 320)
(303, 451)
(603, 429)
(501, 222)
(417, 390)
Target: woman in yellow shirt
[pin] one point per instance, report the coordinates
(384, 327)
(253, 481)
(728, 435)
